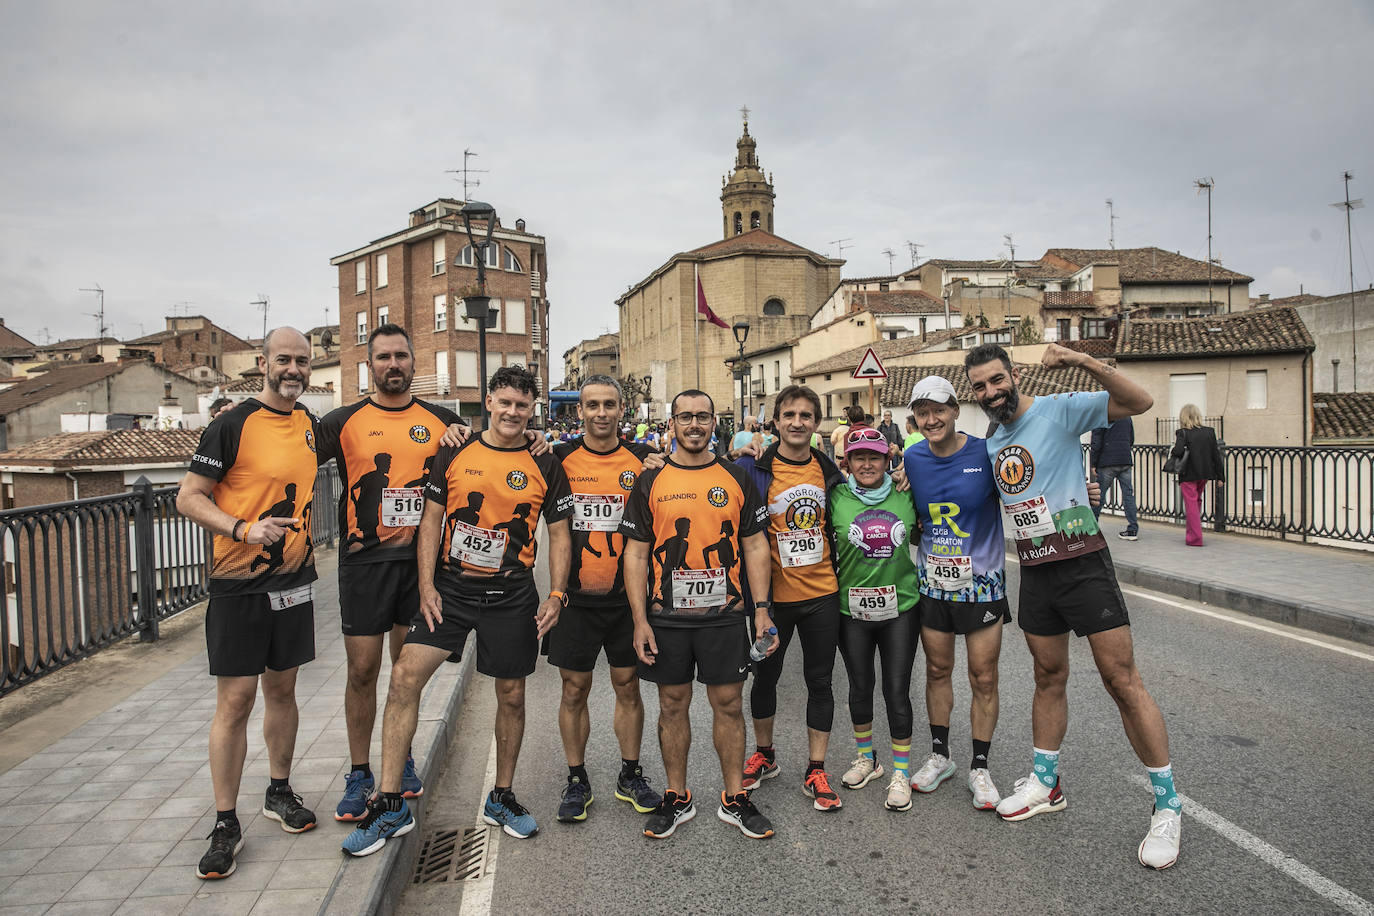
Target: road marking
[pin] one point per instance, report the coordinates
(1271, 855)
(477, 894)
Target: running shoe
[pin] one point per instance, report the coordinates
(861, 772)
(1128, 535)
(817, 786)
(287, 808)
(411, 787)
(985, 795)
(898, 792)
(379, 826)
(1159, 849)
(577, 798)
(635, 789)
(1031, 798)
(934, 771)
(358, 788)
(758, 768)
(226, 841)
(740, 811)
(671, 812)
(508, 814)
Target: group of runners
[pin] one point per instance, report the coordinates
(676, 568)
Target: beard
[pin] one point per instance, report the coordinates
(275, 382)
(1002, 413)
(393, 383)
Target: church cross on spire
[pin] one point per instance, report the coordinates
(744, 112)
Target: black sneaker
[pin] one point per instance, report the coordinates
(741, 812)
(225, 842)
(1128, 535)
(286, 806)
(670, 812)
(632, 787)
(577, 798)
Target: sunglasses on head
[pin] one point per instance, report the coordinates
(867, 434)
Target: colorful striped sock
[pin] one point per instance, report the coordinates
(901, 755)
(1162, 781)
(863, 740)
(1046, 767)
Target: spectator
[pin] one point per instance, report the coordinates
(1109, 460)
(1196, 445)
(219, 406)
(913, 435)
(890, 430)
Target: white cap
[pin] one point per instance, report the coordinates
(933, 388)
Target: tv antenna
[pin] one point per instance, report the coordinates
(1111, 223)
(890, 255)
(1347, 205)
(841, 245)
(1206, 184)
(262, 303)
(915, 249)
(99, 315)
(467, 173)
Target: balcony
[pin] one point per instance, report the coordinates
(1072, 299)
(756, 388)
(434, 386)
(536, 284)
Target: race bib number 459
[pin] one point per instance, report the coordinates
(873, 603)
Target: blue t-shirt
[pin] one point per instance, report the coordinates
(961, 523)
(1038, 466)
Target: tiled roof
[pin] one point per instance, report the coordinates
(76, 343)
(50, 384)
(1035, 380)
(897, 302)
(753, 240)
(1300, 299)
(1255, 332)
(157, 337)
(1347, 415)
(1148, 265)
(9, 340)
(950, 264)
(113, 446)
(902, 346)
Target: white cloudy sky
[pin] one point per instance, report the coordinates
(194, 153)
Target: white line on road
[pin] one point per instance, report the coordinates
(1271, 855)
(477, 894)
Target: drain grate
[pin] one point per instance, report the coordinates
(447, 856)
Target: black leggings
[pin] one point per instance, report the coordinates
(895, 641)
(817, 622)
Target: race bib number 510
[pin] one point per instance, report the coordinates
(594, 512)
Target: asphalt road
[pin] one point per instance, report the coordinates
(1270, 747)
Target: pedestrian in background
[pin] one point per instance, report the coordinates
(1110, 461)
(1199, 455)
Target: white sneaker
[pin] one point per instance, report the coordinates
(985, 795)
(861, 772)
(1159, 849)
(898, 792)
(1031, 798)
(934, 771)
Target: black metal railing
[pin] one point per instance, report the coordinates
(1167, 427)
(1278, 491)
(82, 574)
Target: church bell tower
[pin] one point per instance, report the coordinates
(746, 197)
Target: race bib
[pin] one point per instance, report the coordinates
(694, 589)
(477, 546)
(402, 506)
(952, 574)
(593, 512)
(800, 548)
(1029, 519)
(291, 597)
(873, 603)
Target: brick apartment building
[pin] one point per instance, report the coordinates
(188, 343)
(416, 278)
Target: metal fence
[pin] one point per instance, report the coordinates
(1166, 427)
(82, 574)
(1289, 491)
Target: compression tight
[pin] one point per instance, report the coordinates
(817, 624)
(895, 643)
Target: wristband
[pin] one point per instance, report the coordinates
(561, 596)
(234, 535)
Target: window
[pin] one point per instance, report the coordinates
(515, 316)
(1187, 388)
(441, 313)
(178, 341)
(381, 271)
(829, 410)
(511, 262)
(214, 361)
(362, 378)
(517, 359)
(754, 221)
(1094, 328)
(360, 271)
(1257, 389)
(777, 375)
(739, 224)
(197, 335)
(1063, 328)
(362, 328)
(440, 260)
(441, 375)
(465, 366)
(464, 258)
(774, 307)
(383, 314)
(214, 337)
(493, 254)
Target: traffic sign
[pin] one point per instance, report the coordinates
(870, 366)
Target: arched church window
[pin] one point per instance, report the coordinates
(754, 221)
(739, 224)
(770, 222)
(774, 307)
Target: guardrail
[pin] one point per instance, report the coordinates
(82, 574)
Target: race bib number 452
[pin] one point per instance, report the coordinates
(477, 546)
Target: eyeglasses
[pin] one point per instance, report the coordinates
(867, 434)
(702, 418)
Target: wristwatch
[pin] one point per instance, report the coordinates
(561, 596)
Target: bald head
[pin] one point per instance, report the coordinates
(277, 337)
(285, 364)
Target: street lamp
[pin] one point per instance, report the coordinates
(741, 329)
(478, 307)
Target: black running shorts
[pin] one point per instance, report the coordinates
(717, 654)
(963, 617)
(374, 597)
(583, 631)
(245, 636)
(500, 609)
(1079, 593)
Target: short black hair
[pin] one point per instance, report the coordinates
(792, 393)
(217, 403)
(693, 393)
(385, 330)
(855, 413)
(986, 353)
(517, 377)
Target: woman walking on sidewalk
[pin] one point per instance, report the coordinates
(1200, 461)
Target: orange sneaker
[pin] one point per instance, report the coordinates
(758, 768)
(817, 786)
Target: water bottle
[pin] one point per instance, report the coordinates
(759, 650)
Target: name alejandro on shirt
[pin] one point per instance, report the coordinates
(669, 497)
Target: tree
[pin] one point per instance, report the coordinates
(1028, 332)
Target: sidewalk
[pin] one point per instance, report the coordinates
(113, 816)
(1319, 588)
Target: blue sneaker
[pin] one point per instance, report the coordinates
(411, 787)
(379, 826)
(358, 788)
(508, 814)
(577, 798)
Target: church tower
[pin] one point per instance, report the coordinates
(746, 198)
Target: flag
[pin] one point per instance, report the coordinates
(704, 309)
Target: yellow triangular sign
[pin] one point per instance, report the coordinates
(870, 366)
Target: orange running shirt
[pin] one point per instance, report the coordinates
(695, 519)
(492, 499)
(601, 483)
(263, 462)
(797, 541)
(384, 456)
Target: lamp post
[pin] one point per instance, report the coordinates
(741, 329)
(478, 307)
